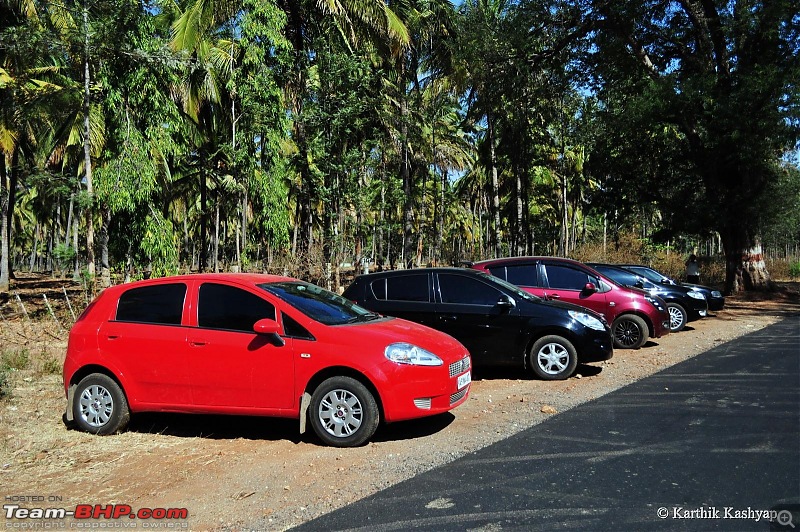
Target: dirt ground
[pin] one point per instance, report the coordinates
(237, 473)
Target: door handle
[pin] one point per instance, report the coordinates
(448, 317)
(112, 336)
(554, 296)
(196, 343)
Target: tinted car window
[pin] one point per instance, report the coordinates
(498, 271)
(408, 288)
(379, 289)
(567, 278)
(227, 307)
(620, 276)
(523, 275)
(294, 330)
(161, 303)
(466, 290)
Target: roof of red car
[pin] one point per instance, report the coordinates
(507, 260)
(248, 278)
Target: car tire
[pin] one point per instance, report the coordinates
(629, 331)
(343, 412)
(553, 358)
(99, 405)
(677, 317)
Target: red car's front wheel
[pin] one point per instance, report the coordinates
(343, 412)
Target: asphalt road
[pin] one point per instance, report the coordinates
(707, 444)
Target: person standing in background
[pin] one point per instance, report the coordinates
(692, 269)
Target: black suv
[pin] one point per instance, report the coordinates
(683, 304)
(714, 298)
(496, 321)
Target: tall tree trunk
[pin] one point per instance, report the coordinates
(745, 268)
(105, 268)
(439, 220)
(203, 236)
(243, 260)
(519, 233)
(75, 226)
(564, 235)
(4, 241)
(87, 147)
(216, 233)
(406, 178)
(496, 235)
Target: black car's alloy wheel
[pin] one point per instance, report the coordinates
(553, 357)
(677, 317)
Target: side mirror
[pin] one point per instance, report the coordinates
(639, 284)
(268, 327)
(666, 281)
(506, 302)
(590, 287)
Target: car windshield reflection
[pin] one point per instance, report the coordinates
(517, 291)
(319, 304)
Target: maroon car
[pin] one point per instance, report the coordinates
(634, 314)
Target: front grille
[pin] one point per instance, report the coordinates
(456, 368)
(454, 398)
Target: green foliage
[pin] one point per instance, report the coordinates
(363, 131)
(64, 255)
(794, 269)
(49, 365)
(16, 359)
(693, 121)
(159, 245)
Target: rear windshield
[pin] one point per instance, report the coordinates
(318, 303)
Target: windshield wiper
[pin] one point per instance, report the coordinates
(364, 317)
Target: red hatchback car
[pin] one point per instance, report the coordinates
(255, 345)
(634, 314)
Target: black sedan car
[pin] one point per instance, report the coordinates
(496, 321)
(683, 304)
(714, 298)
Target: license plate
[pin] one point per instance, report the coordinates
(464, 379)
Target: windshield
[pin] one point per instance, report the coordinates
(514, 289)
(650, 274)
(318, 303)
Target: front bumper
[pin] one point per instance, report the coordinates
(595, 346)
(698, 309)
(410, 395)
(716, 303)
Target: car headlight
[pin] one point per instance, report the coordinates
(404, 353)
(655, 302)
(587, 320)
(716, 293)
(696, 295)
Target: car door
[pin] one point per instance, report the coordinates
(406, 295)
(471, 311)
(145, 336)
(232, 366)
(567, 282)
